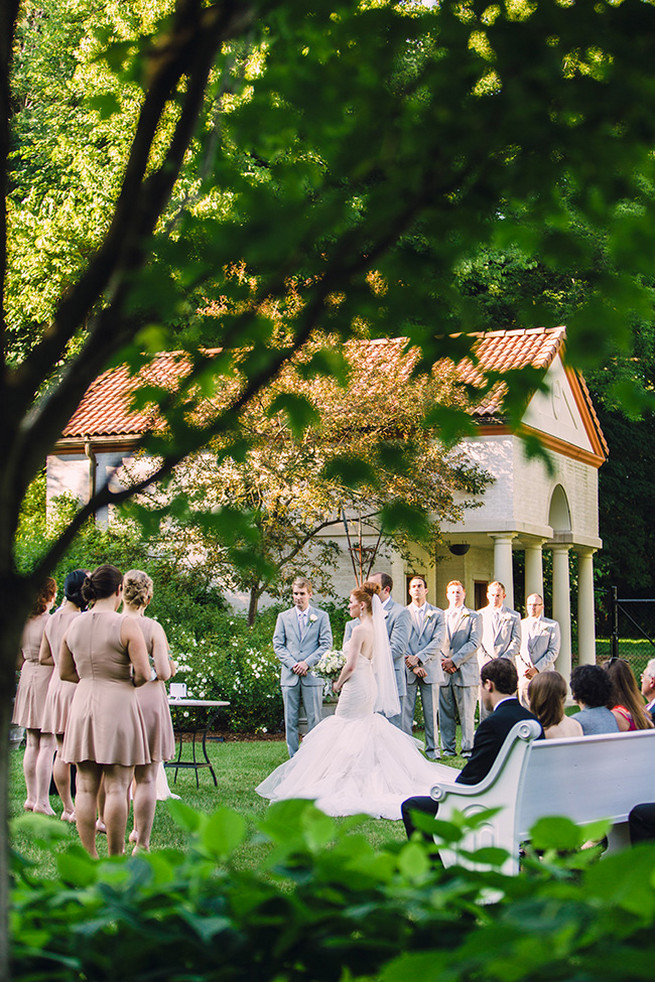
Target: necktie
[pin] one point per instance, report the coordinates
(301, 623)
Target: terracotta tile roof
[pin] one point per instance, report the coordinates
(105, 409)
(504, 351)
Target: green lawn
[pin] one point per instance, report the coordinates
(239, 767)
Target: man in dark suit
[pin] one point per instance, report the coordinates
(641, 822)
(498, 684)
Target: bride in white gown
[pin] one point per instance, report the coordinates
(356, 761)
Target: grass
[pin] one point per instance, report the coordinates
(239, 767)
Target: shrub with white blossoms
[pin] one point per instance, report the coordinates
(237, 665)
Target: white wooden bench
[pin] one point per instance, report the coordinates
(584, 778)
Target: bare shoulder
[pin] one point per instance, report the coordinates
(158, 632)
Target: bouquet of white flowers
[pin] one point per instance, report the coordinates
(329, 667)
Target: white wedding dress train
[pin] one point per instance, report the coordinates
(356, 761)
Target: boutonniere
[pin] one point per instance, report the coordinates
(312, 618)
(466, 614)
(429, 614)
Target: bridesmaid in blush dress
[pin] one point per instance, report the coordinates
(60, 695)
(153, 700)
(31, 696)
(104, 653)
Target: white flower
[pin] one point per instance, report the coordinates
(312, 618)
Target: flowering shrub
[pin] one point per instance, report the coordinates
(237, 665)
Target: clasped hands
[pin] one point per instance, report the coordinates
(449, 666)
(413, 662)
(300, 668)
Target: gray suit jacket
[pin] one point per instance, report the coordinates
(542, 648)
(505, 641)
(462, 646)
(427, 645)
(399, 623)
(290, 649)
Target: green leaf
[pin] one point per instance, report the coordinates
(185, 816)
(77, 868)
(413, 861)
(299, 410)
(317, 828)
(104, 103)
(223, 832)
(557, 832)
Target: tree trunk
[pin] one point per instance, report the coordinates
(5, 717)
(14, 612)
(255, 594)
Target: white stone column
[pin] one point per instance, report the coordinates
(503, 568)
(562, 605)
(534, 567)
(586, 607)
(398, 576)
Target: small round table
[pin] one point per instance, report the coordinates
(194, 730)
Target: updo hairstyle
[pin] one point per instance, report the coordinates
(547, 694)
(101, 583)
(45, 596)
(73, 587)
(364, 594)
(137, 588)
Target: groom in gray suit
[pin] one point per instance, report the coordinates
(302, 634)
(423, 663)
(398, 623)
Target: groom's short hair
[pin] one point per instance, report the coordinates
(385, 581)
(302, 581)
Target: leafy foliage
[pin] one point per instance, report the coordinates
(318, 448)
(324, 905)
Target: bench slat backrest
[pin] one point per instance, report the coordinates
(586, 778)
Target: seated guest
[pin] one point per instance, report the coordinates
(592, 690)
(648, 687)
(627, 703)
(547, 694)
(498, 684)
(641, 822)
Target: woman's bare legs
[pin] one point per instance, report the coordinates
(44, 773)
(30, 769)
(145, 802)
(100, 824)
(117, 779)
(61, 772)
(86, 803)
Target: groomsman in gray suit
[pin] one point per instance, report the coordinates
(398, 623)
(540, 643)
(501, 631)
(423, 663)
(460, 664)
(302, 634)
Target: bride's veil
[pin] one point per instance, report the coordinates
(387, 700)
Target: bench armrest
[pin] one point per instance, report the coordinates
(526, 731)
